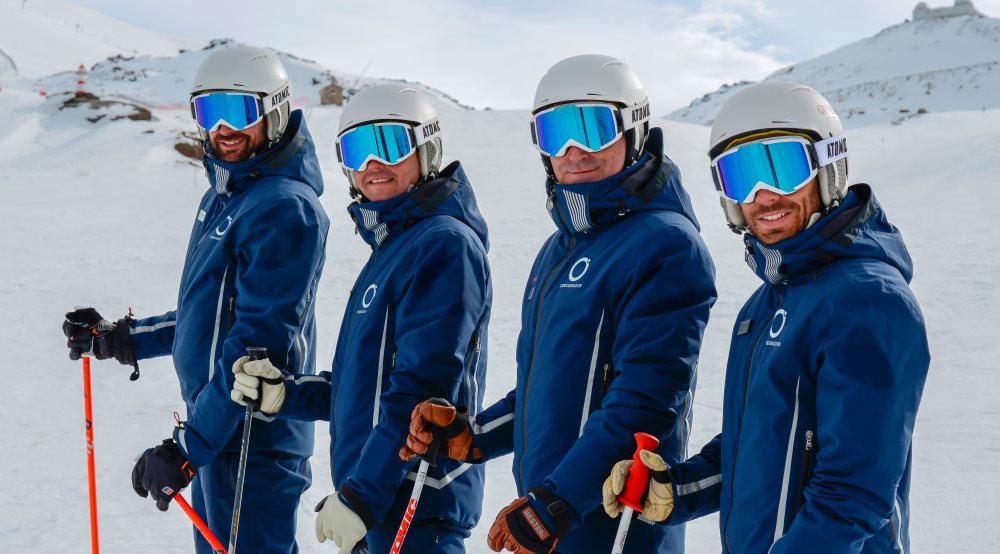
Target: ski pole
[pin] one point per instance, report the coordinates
(91, 470)
(426, 460)
(241, 473)
(635, 486)
(217, 547)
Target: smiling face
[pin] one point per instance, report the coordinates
(234, 146)
(773, 217)
(580, 166)
(381, 182)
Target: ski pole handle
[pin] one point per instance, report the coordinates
(255, 353)
(217, 547)
(638, 475)
(437, 435)
(635, 486)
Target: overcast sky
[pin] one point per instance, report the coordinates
(492, 53)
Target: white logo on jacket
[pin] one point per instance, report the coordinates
(783, 315)
(368, 298)
(223, 227)
(576, 272)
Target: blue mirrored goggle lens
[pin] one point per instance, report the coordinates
(591, 126)
(238, 111)
(785, 166)
(388, 143)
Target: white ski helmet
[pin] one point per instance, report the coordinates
(249, 69)
(596, 78)
(400, 103)
(779, 106)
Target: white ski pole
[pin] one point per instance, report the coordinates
(426, 461)
(411, 507)
(631, 497)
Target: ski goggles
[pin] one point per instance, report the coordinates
(591, 127)
(388, 143)
(781, 165)
(236, 110)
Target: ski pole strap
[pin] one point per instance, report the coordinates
(353, 501)
(556, 508)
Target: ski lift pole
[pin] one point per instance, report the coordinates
(631, 497)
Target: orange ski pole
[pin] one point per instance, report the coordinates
(91, 472)
(217, 547)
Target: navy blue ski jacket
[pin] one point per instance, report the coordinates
(253, 262)
(826, 368)
(611, 326)
(414, 328)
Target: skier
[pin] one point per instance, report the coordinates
(828, 357)
(415, 327)
(253, 262)
(612, 319)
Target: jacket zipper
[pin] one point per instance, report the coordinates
(470, 375)
(534, 339)
(606, 383)
(746, 388)
(806, 462)
(231, 315)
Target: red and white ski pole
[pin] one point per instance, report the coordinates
(635, 486)
(91, 470)
(426, 461)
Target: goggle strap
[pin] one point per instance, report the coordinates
(635, 116)
(831, 150)
(427, 131)
(274, 100)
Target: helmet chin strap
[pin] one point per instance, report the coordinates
(813, 219)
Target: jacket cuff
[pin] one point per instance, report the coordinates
(353, 501)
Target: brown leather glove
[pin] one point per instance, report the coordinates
(531, 524)
(436, 417)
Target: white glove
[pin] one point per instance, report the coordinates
(337, 522)
(258, 380)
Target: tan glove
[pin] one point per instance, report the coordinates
(659, 497)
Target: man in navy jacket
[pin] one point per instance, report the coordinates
(828, 357)
(415, 327)
(253, 262)
(612, 320)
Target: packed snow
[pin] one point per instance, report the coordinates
(99, 214)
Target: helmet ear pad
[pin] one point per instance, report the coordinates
(276, 122)
(833, 183)
(429, 154)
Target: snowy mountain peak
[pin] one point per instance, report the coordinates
(945, 59)
(72, 35)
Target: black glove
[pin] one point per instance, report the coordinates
(87, 332)
(162, 471)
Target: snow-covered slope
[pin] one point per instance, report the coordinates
(39, 37)
(931, 65)
(99, 213)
